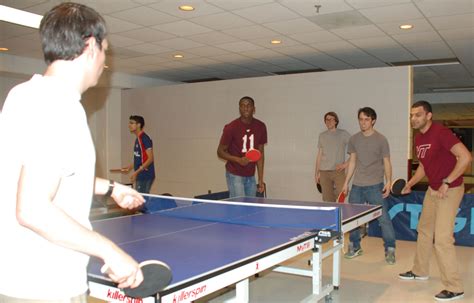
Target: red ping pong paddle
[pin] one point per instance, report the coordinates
(253, 155)
(156, 276)
(320, 189)
(397, 187)
(341, 198)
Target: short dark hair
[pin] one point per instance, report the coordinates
(139, 119)
(247, 98)
(65, 29)
(425, 104)
(332, 114)
(368, 111)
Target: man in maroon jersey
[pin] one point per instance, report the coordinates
(239, 136)
(443, 159)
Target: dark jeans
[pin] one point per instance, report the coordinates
(144, 186)
(372, 195)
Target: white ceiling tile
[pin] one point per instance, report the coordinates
(250, 32)
(430, 50)
(296, 49)
(115, 25)
(182, 28)
(356, 32)
(324, 61)
(207, 51)
(239, 46)
(9, 30)
(358, 4)
(261, 53)
(179, 43)
(329, 47)
(464, 50)
(144, 16)
(391, 13)
(457, 34)
(300, 25)
(417, 37)
(358, 58)
(231, 57)
(450, 22)
(375, 42)
(267, 13)
(314, 37)
(202, 61)
(237, 4)
(392, 54)
(148, 59)
(120, 40)
(148, 48)
(147, 35)
(212, 38)
(222, 21)
(444, 7)
(307, 7)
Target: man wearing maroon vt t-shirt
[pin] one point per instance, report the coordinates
(239, 136)
(443, 159)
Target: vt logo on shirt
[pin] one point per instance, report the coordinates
(421, 150)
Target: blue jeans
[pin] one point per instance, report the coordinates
(372, 195)
(241, 186)
(143, 186)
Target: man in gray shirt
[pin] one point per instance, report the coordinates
(370, 160)
(331, 158)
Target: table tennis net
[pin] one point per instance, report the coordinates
(253, 214)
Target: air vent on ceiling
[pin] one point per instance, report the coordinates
(301, 71)
(340, 20)
(202, 80)
(431, 62)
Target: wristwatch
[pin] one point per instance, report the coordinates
(445, 181)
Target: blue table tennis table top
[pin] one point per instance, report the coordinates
(196, 249)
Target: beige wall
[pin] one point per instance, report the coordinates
(185, 122)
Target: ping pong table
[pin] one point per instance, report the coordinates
(210, 245)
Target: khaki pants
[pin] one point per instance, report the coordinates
(331, 182)
(437, 223)
(77, 299)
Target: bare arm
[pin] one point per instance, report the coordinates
(223, 153)
(35, 210)
(350, 172)
(124, 196)
(318, 163)
(260, 166)
(464, 158)
(417, 176)
(387, 166)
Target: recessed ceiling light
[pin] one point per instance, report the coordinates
(3, 49)
(275, 41)
(406, 26)
(186, 8)
(178, 56)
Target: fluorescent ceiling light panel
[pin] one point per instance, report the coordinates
(453, 89)
(20, 17)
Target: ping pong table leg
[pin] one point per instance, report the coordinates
(336, 263)
(241, 292)
(317, 269)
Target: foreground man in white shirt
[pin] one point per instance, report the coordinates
(47, 177)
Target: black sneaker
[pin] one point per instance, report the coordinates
(446, 295)
(409, 275)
